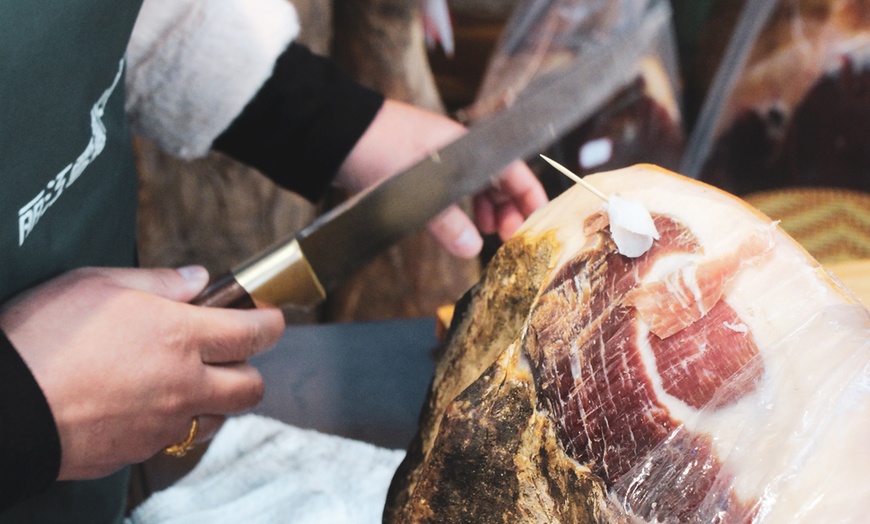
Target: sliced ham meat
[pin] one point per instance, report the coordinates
(686, 293)
(722, 376)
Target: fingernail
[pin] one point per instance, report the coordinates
(469, 243)
(194, 275)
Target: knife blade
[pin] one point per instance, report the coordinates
(301, 269)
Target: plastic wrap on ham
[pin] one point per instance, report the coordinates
(722, 376)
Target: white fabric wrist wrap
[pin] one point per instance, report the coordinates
(193, 65)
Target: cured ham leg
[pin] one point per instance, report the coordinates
(722, 376)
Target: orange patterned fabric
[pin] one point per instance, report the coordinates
(832, 224)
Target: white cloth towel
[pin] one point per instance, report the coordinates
(259, 470)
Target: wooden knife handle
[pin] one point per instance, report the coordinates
(225, 292)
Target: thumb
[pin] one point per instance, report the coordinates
(181, 284)
(195, 279)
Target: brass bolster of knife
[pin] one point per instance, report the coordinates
(278, 276)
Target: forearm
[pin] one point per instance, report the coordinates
(303, 122)
(225, 75)
(29, 441)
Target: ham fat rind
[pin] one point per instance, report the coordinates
(722, 376)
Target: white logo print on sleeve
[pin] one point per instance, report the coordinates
(31, 212)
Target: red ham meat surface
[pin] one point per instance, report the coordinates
(722, 376)
(590, 367)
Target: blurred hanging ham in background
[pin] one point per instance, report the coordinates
(798, 112)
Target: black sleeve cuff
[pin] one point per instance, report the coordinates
(302, 124)
(29, 442)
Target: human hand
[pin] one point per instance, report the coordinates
(402, 135)
(125, 363)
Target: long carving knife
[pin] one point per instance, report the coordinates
(301, 269)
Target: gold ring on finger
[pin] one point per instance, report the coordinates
(181, 449)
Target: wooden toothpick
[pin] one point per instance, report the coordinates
(565, 171)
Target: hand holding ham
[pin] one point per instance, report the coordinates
(400, 136)
(125, 363)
